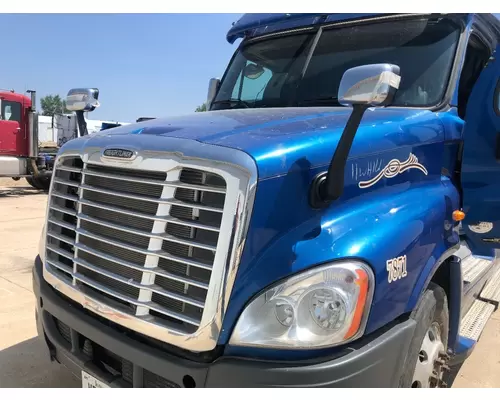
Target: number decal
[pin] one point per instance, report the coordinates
(396, 269)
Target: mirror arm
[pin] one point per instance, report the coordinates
(82, 124)
(332, 187)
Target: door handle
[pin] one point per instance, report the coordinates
(18, 130)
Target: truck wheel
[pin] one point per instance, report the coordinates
(43, 182)
(427, 356)
(33, 182)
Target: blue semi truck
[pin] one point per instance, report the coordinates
(331, 220)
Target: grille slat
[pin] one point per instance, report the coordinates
(141, 239)
(169, 219)
(66, 168)
(175, 184)
(142, 250)
(62, 238)
(61, 181)
(63, 210)
(151, 199)
(163, 236)
(121, 296)
(61, 266)
(62, 224)
(156, 271)
(138, 285)
(64, 196)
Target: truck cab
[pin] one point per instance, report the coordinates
(19, 146)
(332, 220)
(14, 124)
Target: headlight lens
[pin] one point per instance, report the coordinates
(322, 307)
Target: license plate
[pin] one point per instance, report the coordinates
(88, 381)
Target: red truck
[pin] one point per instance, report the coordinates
(19, 152)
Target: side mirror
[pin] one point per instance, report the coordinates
(213, 87)
(82, 99)
(371, 85)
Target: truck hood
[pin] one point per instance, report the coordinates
(278, 138)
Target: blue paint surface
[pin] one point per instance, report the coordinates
(481, 160)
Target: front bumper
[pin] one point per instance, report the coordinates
(81, 342)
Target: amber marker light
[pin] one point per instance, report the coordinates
(458, 215)
(362, 282)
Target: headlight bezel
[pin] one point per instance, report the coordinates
(358, 314)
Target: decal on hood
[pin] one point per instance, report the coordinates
(394, 168)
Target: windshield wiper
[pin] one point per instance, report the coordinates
(320, 101)
(236, 102)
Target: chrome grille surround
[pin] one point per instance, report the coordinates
(153, 155)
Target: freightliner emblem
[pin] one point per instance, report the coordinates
(118, 153)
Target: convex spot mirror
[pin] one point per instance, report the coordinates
(371, 85)
(253, 71)
(82, 99)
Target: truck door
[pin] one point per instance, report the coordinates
(11, 134)
(481, 162)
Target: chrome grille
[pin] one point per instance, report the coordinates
(143, 242)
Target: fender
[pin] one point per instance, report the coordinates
(453, 275)
(444, 257)
(406, 219)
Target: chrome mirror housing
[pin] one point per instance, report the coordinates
(371, 85)
(213, 87)
(82, 100)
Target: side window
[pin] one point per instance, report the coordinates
(10, 111)
(476, 57)
(252, 89)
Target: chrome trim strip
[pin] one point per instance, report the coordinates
(158, 153)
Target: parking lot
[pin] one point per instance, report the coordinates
(23, 359)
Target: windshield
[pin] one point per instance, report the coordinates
(305, 69)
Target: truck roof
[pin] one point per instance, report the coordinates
(15, 97)
(252, 25)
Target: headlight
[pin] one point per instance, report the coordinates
(321, 307)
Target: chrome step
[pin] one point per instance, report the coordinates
(472, 325)
(491, 291)
(472, 267)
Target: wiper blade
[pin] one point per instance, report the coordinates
(321, 100)
(237, 102)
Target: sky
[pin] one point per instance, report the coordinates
(145, 65)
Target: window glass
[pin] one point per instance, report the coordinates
(10, 111)
(291, 76)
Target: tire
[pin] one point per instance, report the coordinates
(40, 182)
(33, 182)
(44, 182)
(428, 357)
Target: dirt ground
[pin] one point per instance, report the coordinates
(23, 359)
